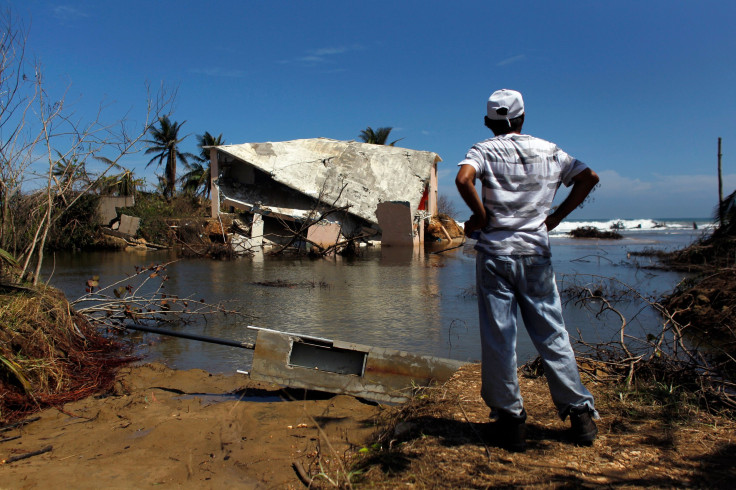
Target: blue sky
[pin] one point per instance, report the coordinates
(639, 90)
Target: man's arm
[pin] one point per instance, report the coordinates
(583, 183)
(465, 182)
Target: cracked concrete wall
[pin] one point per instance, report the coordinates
(346, 173)
(107, 209)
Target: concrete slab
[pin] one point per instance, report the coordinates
(397, 226)
(374, 373)
(324, 234)
(129, 224)
(107, 208)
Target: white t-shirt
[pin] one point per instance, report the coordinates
(520, 176)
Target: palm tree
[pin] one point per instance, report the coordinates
(164, 143)
(70, 173)
(377, 137)
(207, 139)
(122, 184)
(198, 179)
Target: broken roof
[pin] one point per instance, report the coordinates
(343, 172)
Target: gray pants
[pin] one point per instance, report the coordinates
(527, 282)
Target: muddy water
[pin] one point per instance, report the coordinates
(419, 302)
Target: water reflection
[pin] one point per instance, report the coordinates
(390, 297)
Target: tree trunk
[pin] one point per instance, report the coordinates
(47, 225)
(171, 172)
(4, 216)
(31, 249)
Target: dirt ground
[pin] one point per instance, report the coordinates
(159, 428)
(643, 441)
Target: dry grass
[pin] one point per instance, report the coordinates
(49, 354)
(648, 436)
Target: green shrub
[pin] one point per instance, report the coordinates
(77, 227)
(155, 213)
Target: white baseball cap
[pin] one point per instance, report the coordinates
(505, 104)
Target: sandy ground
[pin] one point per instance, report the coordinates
(165, 427)
(190, 429)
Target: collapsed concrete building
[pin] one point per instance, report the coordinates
(336, 189)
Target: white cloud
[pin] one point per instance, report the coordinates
(445, 172)
(329, 51)
(220, 72)
(612, 182)
(655, 196)
(322, 55)
(647, 196)
(513, 59)
(67, 12)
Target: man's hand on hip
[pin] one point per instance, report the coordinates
(474, 223)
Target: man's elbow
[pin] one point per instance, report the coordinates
(588, 178)
(594, 179)
(465, 177)
(463, 181)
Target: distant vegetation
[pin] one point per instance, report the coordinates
(156, 212)
(593, 232)
(377, 137)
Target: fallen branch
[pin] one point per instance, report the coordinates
(135, 300)
(20, 457)
(669, 353)
(8, 427)
(302, 474)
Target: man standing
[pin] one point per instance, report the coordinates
(520, 175)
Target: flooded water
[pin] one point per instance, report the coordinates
(419, 302)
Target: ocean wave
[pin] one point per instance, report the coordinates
(631, 225)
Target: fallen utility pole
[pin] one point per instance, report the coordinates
(201, 338)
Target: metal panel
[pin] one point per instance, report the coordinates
(334, 360)
(387, 375)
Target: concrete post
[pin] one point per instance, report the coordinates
(432, 204)
(256, 231)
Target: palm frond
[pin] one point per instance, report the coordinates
(378, 136)
(18, 372)
(8, 259)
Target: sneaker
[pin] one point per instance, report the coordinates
(582, 427)
(511, 431)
